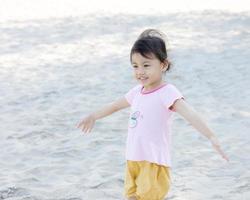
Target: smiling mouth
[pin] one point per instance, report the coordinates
(142, 78)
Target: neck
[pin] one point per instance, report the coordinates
(159, 84)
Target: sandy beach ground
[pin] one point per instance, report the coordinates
(55, 71)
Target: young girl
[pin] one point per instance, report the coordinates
(152, 102)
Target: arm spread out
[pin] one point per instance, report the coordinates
(111, 108)
(193, 117)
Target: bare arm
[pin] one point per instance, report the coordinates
(88, 122)
(111, 108)
(193, 117)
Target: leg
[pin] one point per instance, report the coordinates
(153, 181)
(130, 180)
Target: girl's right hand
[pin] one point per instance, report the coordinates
(87, 123)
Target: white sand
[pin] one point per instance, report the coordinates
(54, 71)
(44, 9)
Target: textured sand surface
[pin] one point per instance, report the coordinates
(54, 71)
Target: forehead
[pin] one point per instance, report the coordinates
(137, 57)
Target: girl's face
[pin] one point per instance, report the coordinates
(148, 71)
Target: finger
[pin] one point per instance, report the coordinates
(225, 157)
(80, 124)
(222, 154)
(90, 128)
(87, 130)
(216, 145)
(84, 127)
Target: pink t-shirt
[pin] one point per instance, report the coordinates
(149, 128)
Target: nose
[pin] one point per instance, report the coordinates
(140, 71)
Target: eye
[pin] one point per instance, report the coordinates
(135, 66)
(146, 65)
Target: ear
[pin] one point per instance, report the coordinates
(164, 65)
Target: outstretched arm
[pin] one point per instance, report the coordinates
(88, 122)
(191, 115)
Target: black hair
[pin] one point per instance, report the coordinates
(151, 41)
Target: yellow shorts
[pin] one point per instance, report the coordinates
(146, 181)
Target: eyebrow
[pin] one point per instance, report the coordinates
(143, 62)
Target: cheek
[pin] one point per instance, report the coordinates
(157, 73)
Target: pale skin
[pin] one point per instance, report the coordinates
(180, 106)
(149, 71)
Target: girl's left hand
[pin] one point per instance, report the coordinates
(216, 145)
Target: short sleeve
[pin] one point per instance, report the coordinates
(169, 95)
(132, 93)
